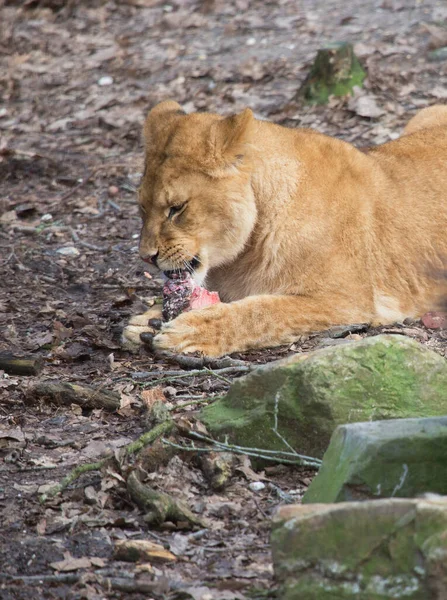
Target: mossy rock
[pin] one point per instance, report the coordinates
(373, 550)
(401, 458)
(335, 72)
(307, 396)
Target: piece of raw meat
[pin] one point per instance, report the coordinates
(181, 294)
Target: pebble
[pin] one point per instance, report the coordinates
(113, 190)
(105, 80)
(170, 391)
(256, 486)
(68, 251)
(46, 217)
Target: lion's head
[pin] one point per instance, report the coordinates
(196, 198)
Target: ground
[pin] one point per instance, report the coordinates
(76, 80)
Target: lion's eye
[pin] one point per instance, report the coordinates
(174, 210)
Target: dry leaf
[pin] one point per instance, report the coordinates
(141, 550)
(149, 397)
(70, 563)
(365, 106)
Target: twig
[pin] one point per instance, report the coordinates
(89, 176)
(275, 426)
(59, 578)
(279, 457)
(195, 401)
(77, 239)
(274, 455)
(122, 584)
(114, 205)
(226, 446)
(132, 448)
(149, 437)
(71, 477)
(199, 362)
(171, 375)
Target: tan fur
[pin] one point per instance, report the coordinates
(297, 231)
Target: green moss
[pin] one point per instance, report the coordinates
(378, 378)
(370, 550)
(335, 72)
(402, 458)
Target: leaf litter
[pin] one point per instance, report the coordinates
(76, 80)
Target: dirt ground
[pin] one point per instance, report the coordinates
(76, 80)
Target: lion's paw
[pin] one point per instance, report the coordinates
(137, 325)
(206, 330)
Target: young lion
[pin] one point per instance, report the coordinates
(297, 231)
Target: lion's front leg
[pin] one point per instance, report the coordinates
(254, 322)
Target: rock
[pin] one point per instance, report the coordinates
(68, 251)
(364, 105)
(105, 80)
(399, 458)
(374, 550)
(309, 395)
(335, 72)
(256, 486)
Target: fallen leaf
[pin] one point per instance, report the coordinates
(70, 563)
(365, 106)
(149, 397)
(141, 550)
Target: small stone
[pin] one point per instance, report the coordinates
(46, 217)
(256, 486)
(169, 391)
(68, 251)
(113, 191)
(105, 80)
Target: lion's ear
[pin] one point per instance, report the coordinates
(159, 121)
(229, 138)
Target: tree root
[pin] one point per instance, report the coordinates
(134, 447)
(159, 506)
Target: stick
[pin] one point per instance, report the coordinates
(291, 457)
(19, 365)
(122, 584)
(171, 375)
(144, 440)
(72, 476)
(199, 362)
(149, 437)
(78, 240)
(70, 393)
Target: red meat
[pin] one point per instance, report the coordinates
(181, 294)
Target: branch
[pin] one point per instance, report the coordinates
(19, 365)
(144, 440)
(172, 375)
(291, 458)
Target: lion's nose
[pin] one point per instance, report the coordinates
(151, 258)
